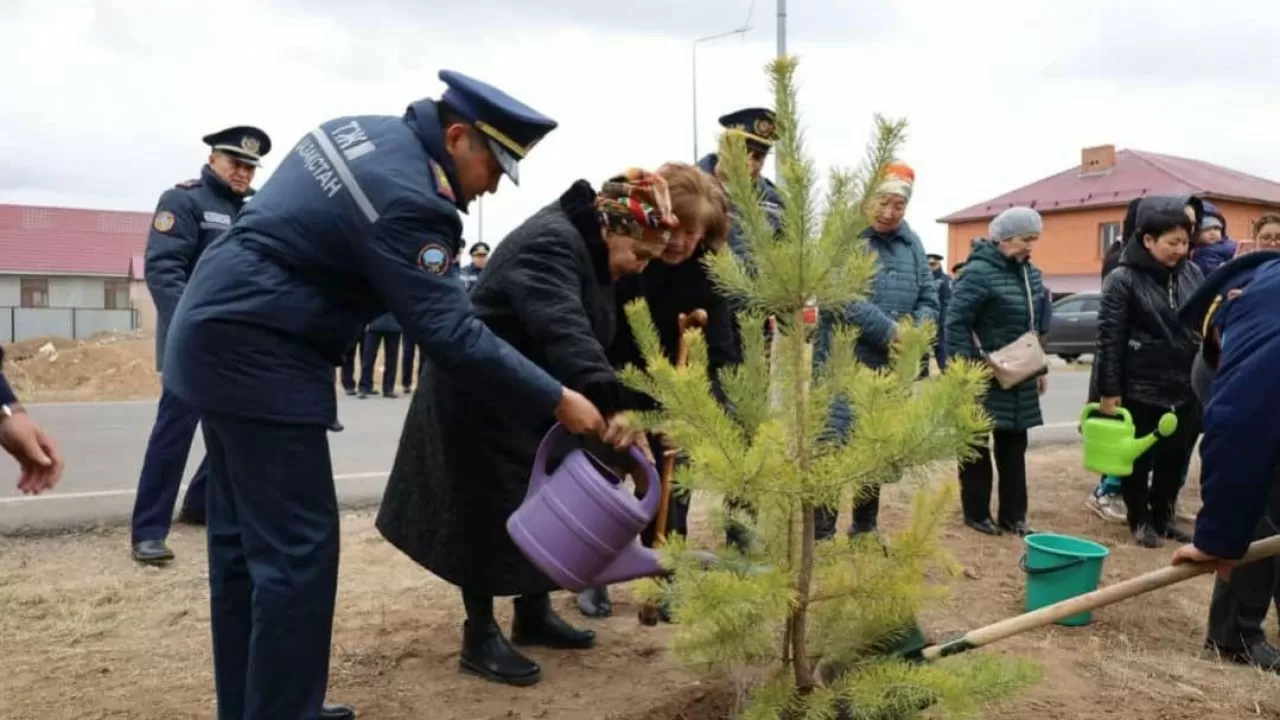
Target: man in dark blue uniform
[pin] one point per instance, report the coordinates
(471, 273)
(360, 218)
(942, 284)
(759, 129)
(1236, 375)
(188, 218)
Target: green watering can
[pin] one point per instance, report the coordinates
(1109, 443)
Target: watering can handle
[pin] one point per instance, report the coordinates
(1092, 408)
(540, 474)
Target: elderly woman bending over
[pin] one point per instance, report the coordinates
(463, 467)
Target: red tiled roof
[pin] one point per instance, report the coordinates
(65, 241)
(1136, 174)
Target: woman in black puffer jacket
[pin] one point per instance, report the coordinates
(1144, 359)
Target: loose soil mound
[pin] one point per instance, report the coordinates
(86, 633)
(107, 366)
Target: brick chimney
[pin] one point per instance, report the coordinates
(1095, 160)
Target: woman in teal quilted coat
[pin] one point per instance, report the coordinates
(994, 301)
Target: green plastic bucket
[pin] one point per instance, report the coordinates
(1060, 567)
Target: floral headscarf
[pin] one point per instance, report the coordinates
(635, 201)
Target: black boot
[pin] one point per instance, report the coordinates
(487, 654)
(595, 602)
(337, 712)
(536, 623)
(986, 527)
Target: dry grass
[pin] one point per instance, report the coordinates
(86, 633)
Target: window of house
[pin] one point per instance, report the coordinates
(1107, 234)
(34, 292)
(116, 294)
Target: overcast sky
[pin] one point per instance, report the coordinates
(105, 101)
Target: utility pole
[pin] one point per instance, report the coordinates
(782, 28)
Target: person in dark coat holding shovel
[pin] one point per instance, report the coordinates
(1235, 376)
(464, 467)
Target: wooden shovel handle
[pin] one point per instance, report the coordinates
(1099, 598)
(684, 321)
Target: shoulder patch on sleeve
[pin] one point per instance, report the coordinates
(434, 258)
(163, 221)
(188, 184)
(443, 187)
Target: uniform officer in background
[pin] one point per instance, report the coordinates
(759, 130)
(361, 218)
(471, 273)
(188, 217)
(942, 284)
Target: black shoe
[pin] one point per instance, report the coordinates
(407, 390)
(863, 529)
(188, 516)
(349, 391)
(152, 552)
(1259, 654)
(1147, 537)
(362, 394)
(1019, 528)
(337, 427)
(535, 623)
(336, 712)
(986, 527)
(595, 603)
(390, 394)
(1176, 534)
(487, 654)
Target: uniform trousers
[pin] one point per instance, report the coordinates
(273, 566)
(1240, 605)
(369, 357)
(162, 468)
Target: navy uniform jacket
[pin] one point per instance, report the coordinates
(470, 275)
(770, 201)
(1240, 450)
(188, 218)
(360, 219)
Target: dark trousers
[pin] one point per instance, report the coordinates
(273, 566)
(407, 376)
(1008, 449)
(369, 356)
(349, 364)
(866, 515)
(940, 348)
(162, 468)
(1239, 606)
(1151, 491)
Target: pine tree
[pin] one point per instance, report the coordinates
(800, 626)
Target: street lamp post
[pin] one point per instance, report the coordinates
(740, 31)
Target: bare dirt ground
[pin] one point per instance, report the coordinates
(87, 634)
(106, 367)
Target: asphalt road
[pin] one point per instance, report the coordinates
(104, 444)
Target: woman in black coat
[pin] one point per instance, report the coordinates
(1144, 358)
(463, 467)
(678, 283)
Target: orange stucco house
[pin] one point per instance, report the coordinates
(1084, 206)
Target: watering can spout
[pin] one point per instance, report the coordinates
(635, 562)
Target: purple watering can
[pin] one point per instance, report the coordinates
(580, 526)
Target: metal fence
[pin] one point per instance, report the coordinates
(22, 323)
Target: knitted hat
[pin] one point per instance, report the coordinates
(898, 180)
(1210, 222)
(1015, 222)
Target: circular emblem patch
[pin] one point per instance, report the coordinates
(434, 258)
(163, 221)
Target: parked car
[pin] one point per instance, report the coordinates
(1073, 329)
